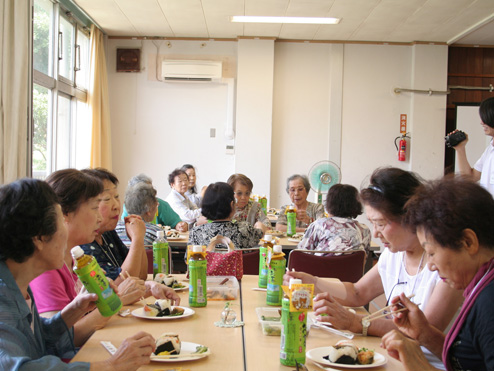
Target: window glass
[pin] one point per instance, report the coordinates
(43, 36)
(41, 135)
(82, 60)
(66, 45)
(63, 132)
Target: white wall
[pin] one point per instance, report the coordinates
(312, 90)
(158, 126)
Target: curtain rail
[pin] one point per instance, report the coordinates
(489, 88)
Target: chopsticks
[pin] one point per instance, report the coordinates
(373, 316)
(178, 356)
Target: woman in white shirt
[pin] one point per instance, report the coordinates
(178, 200)
(402, 267)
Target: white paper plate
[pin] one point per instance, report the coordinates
(187, 353)
(185, 284)
(175, 238)
(139, 313)
(317, 355)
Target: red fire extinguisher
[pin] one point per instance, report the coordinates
(402, 147)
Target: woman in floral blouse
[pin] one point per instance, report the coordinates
(218, 205)
(247, 210)
(340, 231)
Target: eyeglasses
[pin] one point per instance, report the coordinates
(241, 194)
(392, 289)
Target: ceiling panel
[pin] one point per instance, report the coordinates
(362, 20)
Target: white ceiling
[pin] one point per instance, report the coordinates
(450, 21)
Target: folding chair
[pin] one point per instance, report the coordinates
(348, 267)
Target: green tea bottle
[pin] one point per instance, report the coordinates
(264, 204)
(293, 333)
(291, 220)
(161, 255)
(92, 277)
(197, 278)
(276, 270)
(263, 252)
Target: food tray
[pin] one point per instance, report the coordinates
(267, 319)
(226, 291)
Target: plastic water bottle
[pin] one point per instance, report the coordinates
(263, 252)
(293, 332)
(197, 274)
(276, 271)
(291, 218)
(161, 255)
(92, 277)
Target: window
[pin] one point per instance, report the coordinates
(61, 76)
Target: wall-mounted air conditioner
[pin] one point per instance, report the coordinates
(182, 70)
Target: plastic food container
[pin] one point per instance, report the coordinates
(222, 288)
(270, 320)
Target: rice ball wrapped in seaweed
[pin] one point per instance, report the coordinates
(344, 352)
(166, 344)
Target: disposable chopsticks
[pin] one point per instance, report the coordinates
(373, 316)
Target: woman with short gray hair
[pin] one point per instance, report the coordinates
(298, 187)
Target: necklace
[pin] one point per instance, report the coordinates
(109, 253)
(416, 274)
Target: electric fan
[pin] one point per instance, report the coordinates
(322, 176)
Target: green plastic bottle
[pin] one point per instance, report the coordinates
(291, 218)
(293, 333)
(264, 204)
(197, 278)
(92, 277)
(277, 266)
(161, 255)
(263, 252)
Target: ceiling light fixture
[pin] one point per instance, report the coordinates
(299, 20)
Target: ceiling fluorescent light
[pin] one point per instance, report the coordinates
(299, 20)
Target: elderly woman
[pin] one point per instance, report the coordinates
(298, 187)
(339, 231)
(178, 200)
(218, 205)
(33, 240)
(140, 199)
(453, 219)
(401, 267)
(192, 193)
(110, 252)
(165, 214)
(247, 210)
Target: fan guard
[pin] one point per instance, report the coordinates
(323, 175)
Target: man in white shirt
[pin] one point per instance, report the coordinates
(483, 169)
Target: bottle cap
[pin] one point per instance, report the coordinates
(77, 252)
(294, 281)
(277, 249)
(161, 234)
(268, 237)
(197, 248)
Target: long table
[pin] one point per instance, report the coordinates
(242, 348)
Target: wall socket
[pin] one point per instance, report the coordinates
(230, 150)
(212, 133)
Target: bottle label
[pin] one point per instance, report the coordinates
(294, 335)
(263, 270)
(291, 224)
(161, 257)
(276, 271)
(197, 283)
(95, 282)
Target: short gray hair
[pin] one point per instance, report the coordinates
(140, 198)
(140, 178)
(304, 179)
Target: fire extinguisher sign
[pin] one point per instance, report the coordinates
(403, 123)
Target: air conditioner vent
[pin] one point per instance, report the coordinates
(192, 70)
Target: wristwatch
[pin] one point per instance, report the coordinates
(365, 326)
